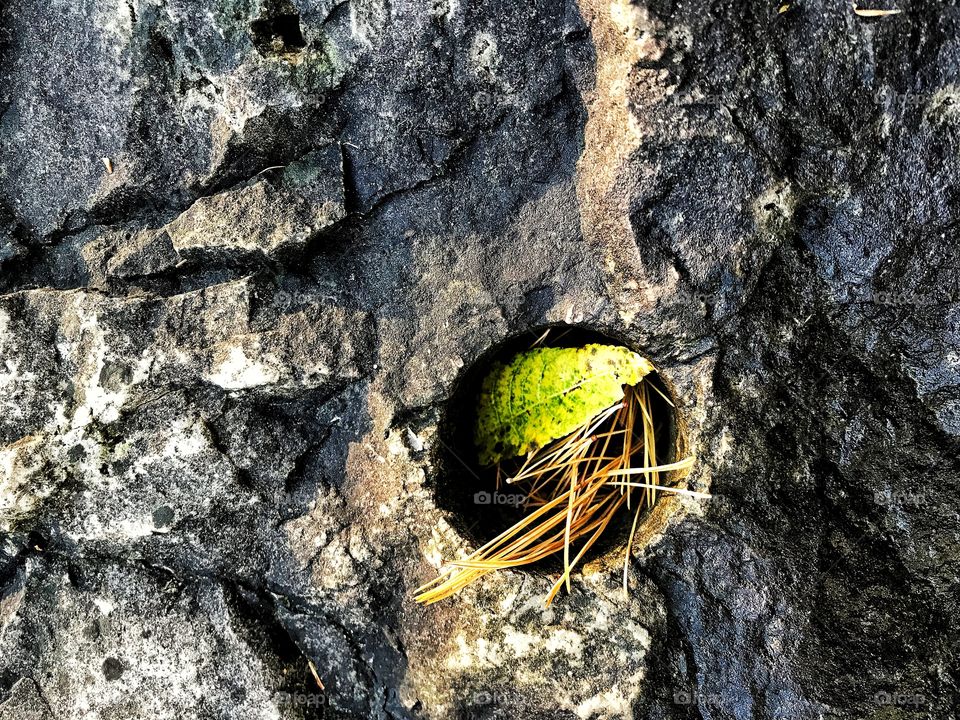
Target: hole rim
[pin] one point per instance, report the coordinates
(452, 466)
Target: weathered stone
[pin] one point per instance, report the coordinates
(230, 353)
(265, 218)
(25, 480)
(146, 253)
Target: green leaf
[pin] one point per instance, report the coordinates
(546, 393)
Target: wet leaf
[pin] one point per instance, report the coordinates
(547, 393)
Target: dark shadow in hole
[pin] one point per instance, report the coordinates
(277, 31)
(459, 478)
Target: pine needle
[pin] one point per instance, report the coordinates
(575, 487)
(867, 13)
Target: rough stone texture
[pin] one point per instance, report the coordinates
(227, 352)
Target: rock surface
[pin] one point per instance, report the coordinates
(249, 247)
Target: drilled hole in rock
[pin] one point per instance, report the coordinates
(278, 33)
(467, 491)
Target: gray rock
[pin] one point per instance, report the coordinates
(232, 357)
(25, 703)
(147, 253)
(263, 218)
(105, 647)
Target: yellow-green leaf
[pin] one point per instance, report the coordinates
(547, 393)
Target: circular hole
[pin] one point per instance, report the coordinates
(466, 491)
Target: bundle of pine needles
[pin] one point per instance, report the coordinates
(574, 488)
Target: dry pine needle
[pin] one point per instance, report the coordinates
(574, 485)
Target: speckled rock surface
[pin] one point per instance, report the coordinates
(248, 249)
